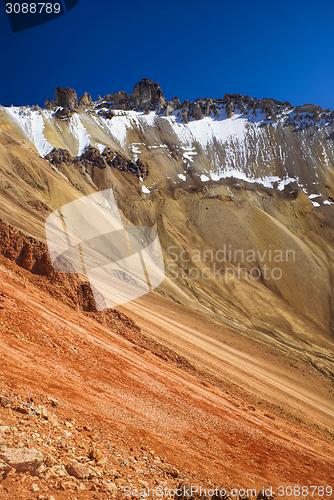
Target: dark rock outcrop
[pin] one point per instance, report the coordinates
(147, 90)
(92, 157)
(63, 113)
(308, 108)
(85, 101)
(58, 156)
(106, 113)
(119, 161)
(66, 98)
(229, 109)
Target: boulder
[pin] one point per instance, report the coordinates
(80, 471)
(97, 455)
(22, 459)
(170, 470)
(110, 488)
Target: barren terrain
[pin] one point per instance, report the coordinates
(202, 381)
(209, 424)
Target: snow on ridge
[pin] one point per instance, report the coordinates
(207, 129)
(32, 124)
(117, 126)
(266, 181)
(232, 132)
(80, 133)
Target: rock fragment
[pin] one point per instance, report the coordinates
(80, 471)
(97, 455)
(22, 459)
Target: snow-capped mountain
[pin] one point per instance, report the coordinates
(260, 142)
(234, 174)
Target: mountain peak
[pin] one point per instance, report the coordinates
(148, 90)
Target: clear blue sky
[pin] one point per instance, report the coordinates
(280, 49)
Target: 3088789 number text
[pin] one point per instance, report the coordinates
(33, 8)
(305, 491)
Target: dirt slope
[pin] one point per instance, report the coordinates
(207, 427)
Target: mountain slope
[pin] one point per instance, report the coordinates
(79, 386)
(240, 191)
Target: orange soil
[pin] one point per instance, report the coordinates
(206, 428)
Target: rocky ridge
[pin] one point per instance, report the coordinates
(147, 96)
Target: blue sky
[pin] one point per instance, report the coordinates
(280, 49)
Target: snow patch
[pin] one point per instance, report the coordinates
(135, 150)
(80, 133)
(266, 181)
(32, 124)
(206, 130)
(100, 147)
(214, 177)
(118, 127)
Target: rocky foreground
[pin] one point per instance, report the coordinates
(44, 455)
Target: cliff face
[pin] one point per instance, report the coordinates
(240, 191)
